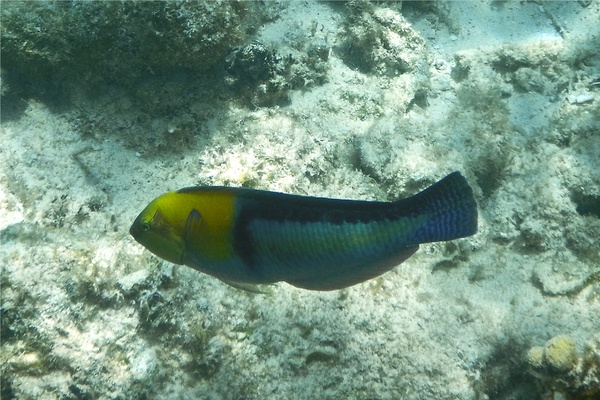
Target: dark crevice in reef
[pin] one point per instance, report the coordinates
(587, 205)
(504, 375)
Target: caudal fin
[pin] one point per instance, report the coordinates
(451, 208)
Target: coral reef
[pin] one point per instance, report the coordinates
(560, 371)
(379, 40)
(56, 44)
(263, 77)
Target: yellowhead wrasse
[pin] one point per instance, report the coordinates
(246, 236)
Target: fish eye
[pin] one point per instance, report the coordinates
(145, 226)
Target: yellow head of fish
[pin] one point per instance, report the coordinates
(159, 228)
(188, 226)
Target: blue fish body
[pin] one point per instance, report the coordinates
(245, 236)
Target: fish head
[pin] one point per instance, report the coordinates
(159, 231)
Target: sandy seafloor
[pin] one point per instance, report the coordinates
(508, 93)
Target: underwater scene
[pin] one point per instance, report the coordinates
(300, 200)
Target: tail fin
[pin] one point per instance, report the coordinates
(451, 207)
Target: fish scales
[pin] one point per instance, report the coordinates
(313, 245)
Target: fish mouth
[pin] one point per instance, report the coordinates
(134, 230)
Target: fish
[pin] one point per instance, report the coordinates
(247, 237)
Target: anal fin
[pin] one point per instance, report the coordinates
(248, 287)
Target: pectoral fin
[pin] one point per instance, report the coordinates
(194, 226)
